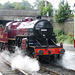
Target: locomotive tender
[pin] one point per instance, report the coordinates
(36, 38)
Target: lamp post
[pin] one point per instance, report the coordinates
(74, 24)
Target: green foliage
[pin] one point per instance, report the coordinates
(25, 5)
(59, 32)
(46, 9)
(63, 12)
(17, 5)
(22, 5)
(70, 39)
(72, 15)
(37, 4)
(61, 36)
(7, 5)
(40, 4)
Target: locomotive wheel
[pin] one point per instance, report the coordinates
(11, 46)
(19, 41)
(55, 57)
(2, 46)
(30, 51)
(58, 56)
(40, 58)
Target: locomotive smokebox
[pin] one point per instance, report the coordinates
(43, 29)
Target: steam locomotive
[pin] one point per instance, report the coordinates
(35, 37)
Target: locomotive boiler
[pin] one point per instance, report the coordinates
(36, 38)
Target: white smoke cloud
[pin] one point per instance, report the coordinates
(67, 60)
(20, 61)
(25, 63)
(1, 74)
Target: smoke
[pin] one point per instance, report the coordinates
(5, 55)
(68, 60)
(25, 63)
(21, 61)
(1, 74)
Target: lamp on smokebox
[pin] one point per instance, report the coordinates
(74, 23)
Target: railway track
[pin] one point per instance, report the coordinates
(50, 72)
(5, 70)
(43, 70)
(18, 71)
(59, 69)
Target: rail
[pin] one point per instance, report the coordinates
(19, 71)
(51, 72)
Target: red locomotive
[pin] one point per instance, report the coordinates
(35, 37)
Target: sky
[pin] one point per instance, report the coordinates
(54, 2)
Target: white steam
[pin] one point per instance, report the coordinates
(68, 60)
(25, 63)
(21, 61)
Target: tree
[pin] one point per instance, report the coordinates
(25, 4)
(44, 8)
(22, 5)
(8, 5)
(48, 9)
(37, 4)
(0, 5)
(17, 5)
(63, 13)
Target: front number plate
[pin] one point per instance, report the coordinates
(43, 29)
